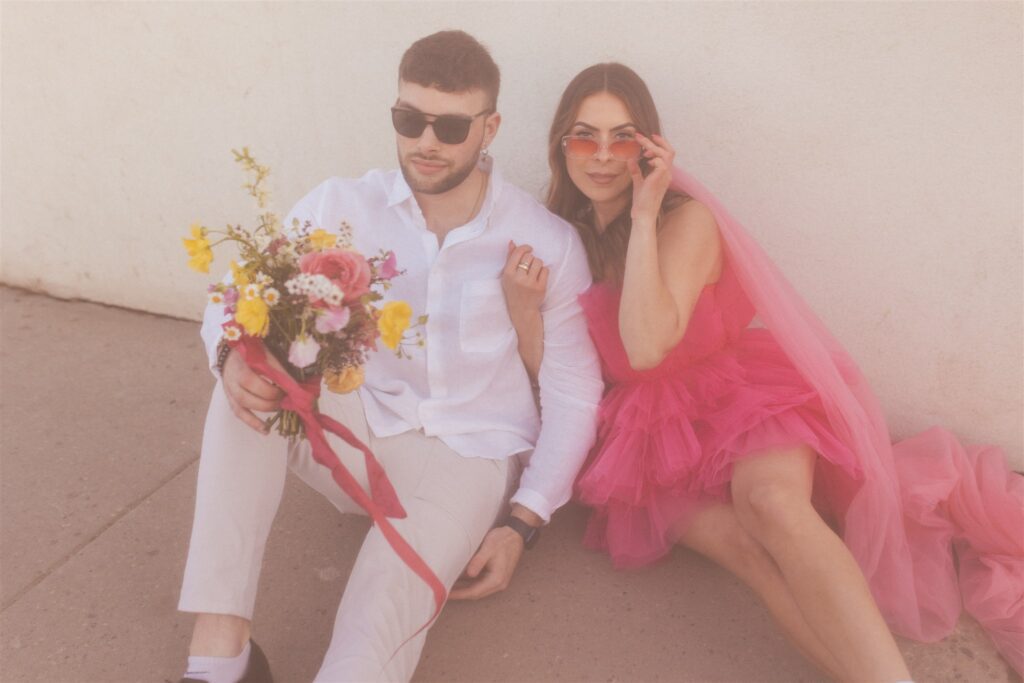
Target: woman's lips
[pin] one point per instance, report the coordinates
(602, 178)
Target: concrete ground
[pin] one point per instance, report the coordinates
(102, 414)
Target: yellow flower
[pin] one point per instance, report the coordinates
(321, 239)
(240, 276)
(253, 315)
(394, 320)
(344, 381)
(201, 261)
(198, 249)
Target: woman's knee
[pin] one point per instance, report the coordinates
(773, 511)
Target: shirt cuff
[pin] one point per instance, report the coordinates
(212, 351)
(536, 503)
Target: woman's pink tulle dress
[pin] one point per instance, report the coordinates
(668, 438)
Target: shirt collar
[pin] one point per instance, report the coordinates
(399, 191)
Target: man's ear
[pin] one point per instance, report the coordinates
(491, 125)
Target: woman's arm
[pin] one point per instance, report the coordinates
(665, 269)
(524, 291)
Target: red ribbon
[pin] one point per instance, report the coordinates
(382, 501)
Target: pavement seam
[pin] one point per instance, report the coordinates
(57, 564)
(30, 291)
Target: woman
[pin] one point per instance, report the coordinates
(734, 441)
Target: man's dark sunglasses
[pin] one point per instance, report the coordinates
(451, 129)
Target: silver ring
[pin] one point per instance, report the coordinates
(523, 265)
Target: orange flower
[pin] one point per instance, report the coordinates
(344, 381)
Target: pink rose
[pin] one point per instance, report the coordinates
(347, 269)
(303, 351)
(332, 319)
(389, 268)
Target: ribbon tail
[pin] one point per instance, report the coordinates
(406, 552)
(325, 455)
(420, 568)
(382, 501)
(381, 490)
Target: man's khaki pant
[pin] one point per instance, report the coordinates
(451, 501)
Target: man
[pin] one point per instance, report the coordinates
(446, 424)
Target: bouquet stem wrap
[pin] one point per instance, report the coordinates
(382, 501)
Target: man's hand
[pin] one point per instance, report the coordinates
(492, 567)
(248, 391)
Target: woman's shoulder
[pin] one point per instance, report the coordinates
(688, 238)
(690, 221)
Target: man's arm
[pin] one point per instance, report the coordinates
(570, 390)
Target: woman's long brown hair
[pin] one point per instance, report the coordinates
(606, 251)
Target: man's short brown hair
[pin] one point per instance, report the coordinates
(451, 61)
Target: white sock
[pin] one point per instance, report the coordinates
(219, 669)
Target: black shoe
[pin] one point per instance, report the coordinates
(257, 671)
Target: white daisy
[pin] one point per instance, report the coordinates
(336, 296)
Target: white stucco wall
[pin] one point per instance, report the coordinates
(875, 150)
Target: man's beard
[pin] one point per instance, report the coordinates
(438, 185)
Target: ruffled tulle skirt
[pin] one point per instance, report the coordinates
(667, 444)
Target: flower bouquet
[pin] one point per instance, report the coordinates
(307, 297)
(306, 294)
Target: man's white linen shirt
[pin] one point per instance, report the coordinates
(468, 386)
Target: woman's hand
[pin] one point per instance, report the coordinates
(649, 191)
(524, 279)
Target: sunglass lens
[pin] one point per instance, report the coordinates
(409, 124)
(625, 149)
(451, 130)
(580, 147)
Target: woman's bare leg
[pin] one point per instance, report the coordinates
(772, 498)
(716, 533)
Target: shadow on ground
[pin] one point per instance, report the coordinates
(100, 426)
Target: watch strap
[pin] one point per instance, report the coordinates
(529, 533)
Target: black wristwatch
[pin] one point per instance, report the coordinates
(529, 533)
